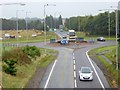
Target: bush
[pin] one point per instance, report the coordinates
(16, 54)
(32, 51)
(9, 66)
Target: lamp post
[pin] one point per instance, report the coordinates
(45, 23)
(117, 31)
(116, 11)
(2, 4)
(17, 25)
(108, 21)
(27, 27)
(116, 16)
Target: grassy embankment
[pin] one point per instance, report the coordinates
(108, 69)
(26, 71)
(27, 36)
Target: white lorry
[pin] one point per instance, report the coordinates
(71, 35)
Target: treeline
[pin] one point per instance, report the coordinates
(94, 25)
(51, 22)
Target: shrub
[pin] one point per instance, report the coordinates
(9, 66)
(32, 51)
(16, 54)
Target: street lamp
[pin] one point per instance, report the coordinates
(2, 4)
(116, 15)
(108, 21)
(116, 11)
(27, 26)
(45, 22)
(117, 29)
(17, 25)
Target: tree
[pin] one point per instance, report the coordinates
(94, 25)
(60, 20)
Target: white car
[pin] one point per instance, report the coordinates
(85, 73)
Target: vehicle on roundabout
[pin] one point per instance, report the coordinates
(101, 39)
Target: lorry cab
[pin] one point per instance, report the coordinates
(71, 35)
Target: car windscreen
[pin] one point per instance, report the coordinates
(86, 70)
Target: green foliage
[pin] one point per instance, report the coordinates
(32, 51)
(94, 25)
(119, 38)
(16, 54)
(9, 66)
(36, 25)
(45, 61)
(60, 20)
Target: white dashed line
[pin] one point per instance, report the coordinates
(74, 62)
(95, 70)
(74, 74)
(75, 84)
(73, 54)
(74, 67)
(50, 74)
(73, 58)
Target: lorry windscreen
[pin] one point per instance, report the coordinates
(72, 33)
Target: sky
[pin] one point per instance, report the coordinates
(66, 8)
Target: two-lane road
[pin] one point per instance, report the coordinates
(63, 73)
(81, 59)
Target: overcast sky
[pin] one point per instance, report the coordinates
(67, 8)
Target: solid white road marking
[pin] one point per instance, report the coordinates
(95, 70)
(75, 84)
(50, 74)
(74, 67)
(74, 74)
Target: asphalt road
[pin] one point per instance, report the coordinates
(81, 59)
(63, 73)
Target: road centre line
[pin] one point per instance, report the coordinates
(74, 74)
(75, 84)
(73, 58)
(73, 54)
(74, 62)
(95, 70)
(50, 74)
(74, 67)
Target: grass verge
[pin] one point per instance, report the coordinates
(25, 72)
(108, 69)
